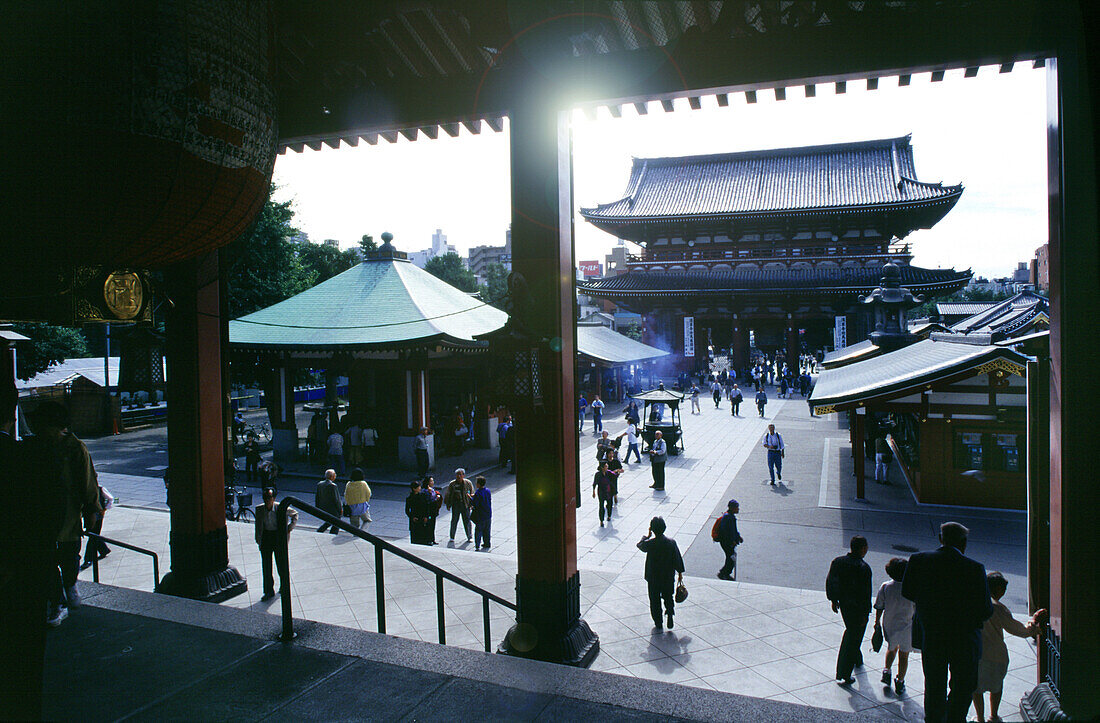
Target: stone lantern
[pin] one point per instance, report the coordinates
(890, 302)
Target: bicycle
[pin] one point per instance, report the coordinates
(259, 431)
(243, 499)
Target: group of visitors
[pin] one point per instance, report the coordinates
(466, 504)
(597, 406)
(349, 443)
(941, 603)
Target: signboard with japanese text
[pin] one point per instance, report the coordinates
(590, 268)
(689, 336)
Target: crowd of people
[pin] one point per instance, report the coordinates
(941, 603)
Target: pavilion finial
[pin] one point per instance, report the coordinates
(386, 250)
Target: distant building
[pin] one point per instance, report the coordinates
(1022, 274)
(481, 256)
(1040, 269)
(300, 238)
(615, 262)
(440, 247)
(331, 242)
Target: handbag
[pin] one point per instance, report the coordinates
(681, 592)
(876, 638)
(347, 510)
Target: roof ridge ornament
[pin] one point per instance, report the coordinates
(386, 251)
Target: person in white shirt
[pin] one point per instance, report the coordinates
(773, 442)
(658, 455)
(632, 443)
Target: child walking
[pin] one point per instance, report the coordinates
(993, 666)
(895, 616)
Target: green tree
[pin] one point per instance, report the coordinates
(323, 262)
(450, 268)
(632, 330)
(495, 289)
(48, 345)
(262, 265)
(367, 244)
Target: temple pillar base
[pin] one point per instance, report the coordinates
(200, 568)
(406, 451)
(549, 626)
(285, 445)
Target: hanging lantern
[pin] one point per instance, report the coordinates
(148, 132)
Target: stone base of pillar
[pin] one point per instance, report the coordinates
(549, 626)
(406, 452)
(284, 445)
(214, 587)
(201, 569)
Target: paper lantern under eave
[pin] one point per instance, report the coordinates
(146, 132)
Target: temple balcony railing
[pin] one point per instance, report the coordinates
(813, 255)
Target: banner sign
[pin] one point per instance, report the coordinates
(689, 336)
(840, 332)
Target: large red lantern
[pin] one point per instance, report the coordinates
(138, 133)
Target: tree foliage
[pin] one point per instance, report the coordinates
(449, 267)
(262, 266)
(977, 294)
(632, 330)
(495, 289)
(367, 243)
(323, 262)
(48, 345)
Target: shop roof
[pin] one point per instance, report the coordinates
(602, 344)
(909, 369)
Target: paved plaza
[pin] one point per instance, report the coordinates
(770, 634)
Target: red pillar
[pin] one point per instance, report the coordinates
(740, 344)
(549, 625)
(197, 409)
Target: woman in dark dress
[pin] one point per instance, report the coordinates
(434, 499)
(416, 508)
(603, 487)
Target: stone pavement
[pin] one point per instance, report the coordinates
(744, 638)
(771, 634)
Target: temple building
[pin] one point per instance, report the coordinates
(769, 250)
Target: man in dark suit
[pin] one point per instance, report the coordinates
(662, 560)
(952, 599)
(848, 587)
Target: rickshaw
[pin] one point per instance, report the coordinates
(655, 417)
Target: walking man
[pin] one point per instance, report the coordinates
(729, 539)
(482, 515)
(597, 414)
(882, 460)
(695, 399)
(459, 494)
(502, 433)
(658, 455)
(848, 587)
(336, 450)
(267, 537)
(761, 400)
(736, 397)
(327, 499)
(97, 549)
(773, 442)
(662, 560)
(582, 407)
(716, 392)
(953, 602)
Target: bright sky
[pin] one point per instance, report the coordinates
(987, 132)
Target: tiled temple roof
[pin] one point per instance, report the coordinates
(861, 175)
(851, 280)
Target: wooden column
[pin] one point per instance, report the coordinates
(332, 398)
(740, 344)
(197, 410)
(1074, 385)
(549, 625)
(792, 345)
(417, 412)
(858, 452)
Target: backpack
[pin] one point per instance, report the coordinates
(714, 529)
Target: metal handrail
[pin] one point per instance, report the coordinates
(380, 546)
(128, 546)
